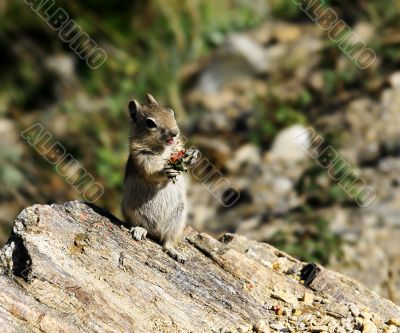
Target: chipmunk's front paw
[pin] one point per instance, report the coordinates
(171, 173)
(138, 233)
(174, 254)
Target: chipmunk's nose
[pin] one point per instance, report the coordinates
(174, 132)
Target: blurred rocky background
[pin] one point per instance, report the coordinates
(244, 77)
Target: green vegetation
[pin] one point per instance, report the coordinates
(149, 45)
(273, 114)
(312, 242)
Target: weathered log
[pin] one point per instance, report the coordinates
(75, 268)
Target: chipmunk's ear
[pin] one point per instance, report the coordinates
(151, 99)
(134, 108)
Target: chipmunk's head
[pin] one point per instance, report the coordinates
(153, 126)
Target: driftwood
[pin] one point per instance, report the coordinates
(75, 268)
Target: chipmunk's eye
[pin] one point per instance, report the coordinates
(150, 123)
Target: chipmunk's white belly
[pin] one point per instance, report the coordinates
(167, 199)
(162, 214)
(167, 210)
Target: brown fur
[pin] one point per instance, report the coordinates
(152, 204)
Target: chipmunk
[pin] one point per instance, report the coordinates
(152, 204)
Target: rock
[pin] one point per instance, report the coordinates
(369, 243)
(239, 57)
(244, 329)
(278, 327)
(244, 56)
(64, 66)
(287, 298)
(286, 33)
(370, 236)
(11, 139)
(365, 132)
(365, 31)
(291, 145)
(264, 33)
(75, 268)
(316, 81)
(390, 329)
(246, 156)
(366, 315)
(369, 327)
(317, 329)
(243, 46)
(394, 321)
(394, 80)
(261, 327)
(308, 298)
(354, 310)
(282, 185)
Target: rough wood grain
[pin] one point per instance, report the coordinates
(75, 268)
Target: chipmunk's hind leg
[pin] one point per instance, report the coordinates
(174, 254)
